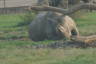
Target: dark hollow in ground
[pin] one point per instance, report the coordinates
(66, 44)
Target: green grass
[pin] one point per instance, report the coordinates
(15, 55)
(16, 47)
(9, 29)
(8, 25)
(87, 24)
(9, 20)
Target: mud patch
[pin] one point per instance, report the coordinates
(66, 44)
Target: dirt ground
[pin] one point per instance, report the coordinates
(81, 42)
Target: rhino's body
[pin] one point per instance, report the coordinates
(52, 26)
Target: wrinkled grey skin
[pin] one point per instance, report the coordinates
(52, 26)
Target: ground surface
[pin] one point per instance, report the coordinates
(16, 47)
(17, 3)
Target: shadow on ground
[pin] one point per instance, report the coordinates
(66, 44)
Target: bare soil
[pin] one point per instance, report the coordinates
(80, 42)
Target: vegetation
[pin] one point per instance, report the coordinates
(86, 24)
(16, 47)
(27, 18)
(19, 55)
(9, 29)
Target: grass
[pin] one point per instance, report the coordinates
(87, 24)
(8, 29)
(8, 25)
(47, 56)
(16, 47)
